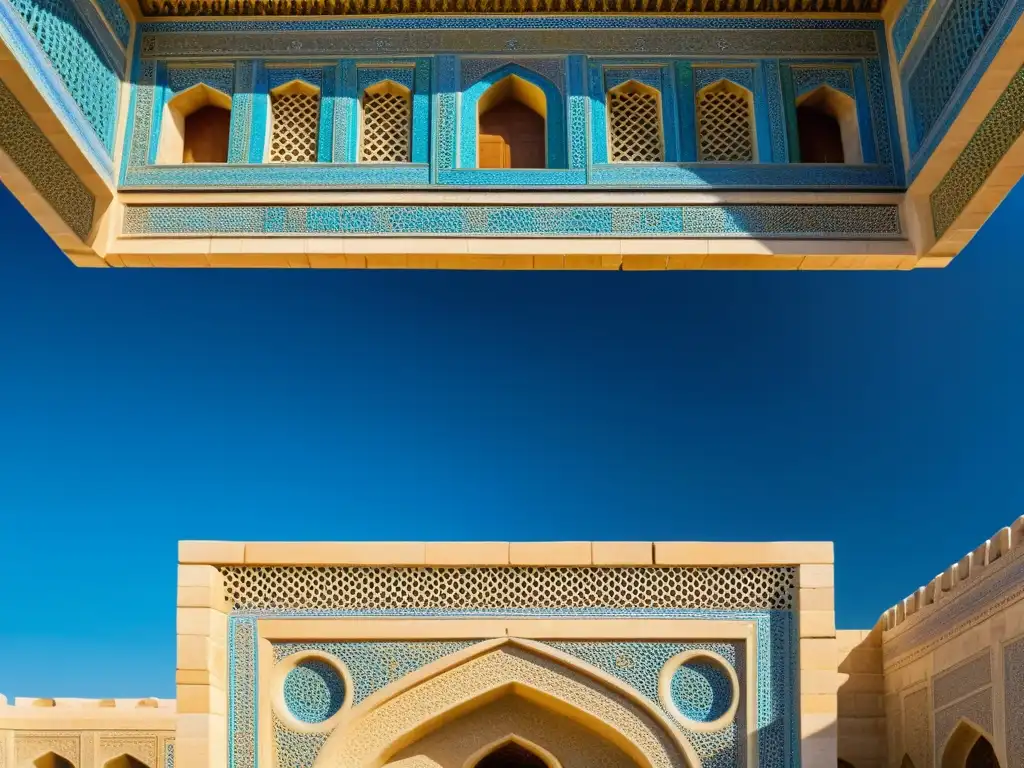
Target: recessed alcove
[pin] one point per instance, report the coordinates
(196, 127)
(827, 127)
(512, 125)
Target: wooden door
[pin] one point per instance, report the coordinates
(511, 136)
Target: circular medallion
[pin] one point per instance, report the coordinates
(701, 689)
(314, 691)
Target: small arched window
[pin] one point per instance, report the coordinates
(982, 755)
(295, 123)
(634, 124)
(196, 127)
(52, 760)
(512, 125)
(513, 752)
(125, 761)
(827, 127)
(725, 123)
(387, 124)
(968, 747)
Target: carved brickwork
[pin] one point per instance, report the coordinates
(29, 745)
(961, 680)
(917, 728)
(976, 709)
(141, 746)
(1013, 679)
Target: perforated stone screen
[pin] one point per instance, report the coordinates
(635, 128)
(725, 120)
(331, 589)
(296, 125)
(385, 128)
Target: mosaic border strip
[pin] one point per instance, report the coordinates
(393, 40)
(906, 25)
(36, 157)
(763, 220)
(991, 141)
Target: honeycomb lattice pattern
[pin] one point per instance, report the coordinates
(325, 590)
(296, 125)
(68, 43)
(949, 54)
(386, 128)
(725, 134)
(701, 690)
(313, 691)
(635, 128)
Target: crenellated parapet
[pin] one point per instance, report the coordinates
(87, 733)
(970, 571)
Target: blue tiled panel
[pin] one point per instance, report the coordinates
(116, 18)
(765, 220)
(906, 25)
(79, 48)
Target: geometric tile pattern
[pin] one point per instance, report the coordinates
(296, 127)
(634, 127)
(35, 156)
(386, 127)
(725, 133)
(360, 7)
(331, 589)
(762, 220)
(115, 16)
(906, 24)
(633, 221)
(638, 664)
(917, 728)
(950, 52)
(70, 45)
(993, 138)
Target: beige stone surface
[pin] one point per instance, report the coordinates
(335, 553)
(622, 553)
(467, 553)
(745, 553)
(550, 553)
(211, 552)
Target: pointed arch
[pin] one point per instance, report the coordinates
(385, 134)
(725, 123)
(828, 128)
(508, 744)
(511, 125)
(906, 762)
(537, 95)
(840, 763)
(195, 126)
(412, 708)
(52, 760)
(125, 760)
(294, 124)
(635, 128)
(959, 749)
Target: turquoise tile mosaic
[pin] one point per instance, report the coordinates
(71, 37)
(765, 220)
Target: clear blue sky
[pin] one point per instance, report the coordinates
(883, 411)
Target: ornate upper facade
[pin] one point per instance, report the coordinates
(634, 134)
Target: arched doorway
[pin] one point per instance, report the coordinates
(125, 761)
(196, 127)
(968, 747)
(827, 128)
(512, 125)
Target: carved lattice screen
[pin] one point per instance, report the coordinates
(296, 124)
(386, 128)
(635, 127)
(725, 126)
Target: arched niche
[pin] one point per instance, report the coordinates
(125, 761)
(635, 129)
(969, 747)
(840, 763)
(512, 125)
(52, 760)
(906, 762)
(294, 125)
(476, 689)
(195, 127)
(725, 123)
(385, 128)
(512, 751)
(827, 127)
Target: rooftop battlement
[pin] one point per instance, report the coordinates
(967, 572)
(79, 704)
